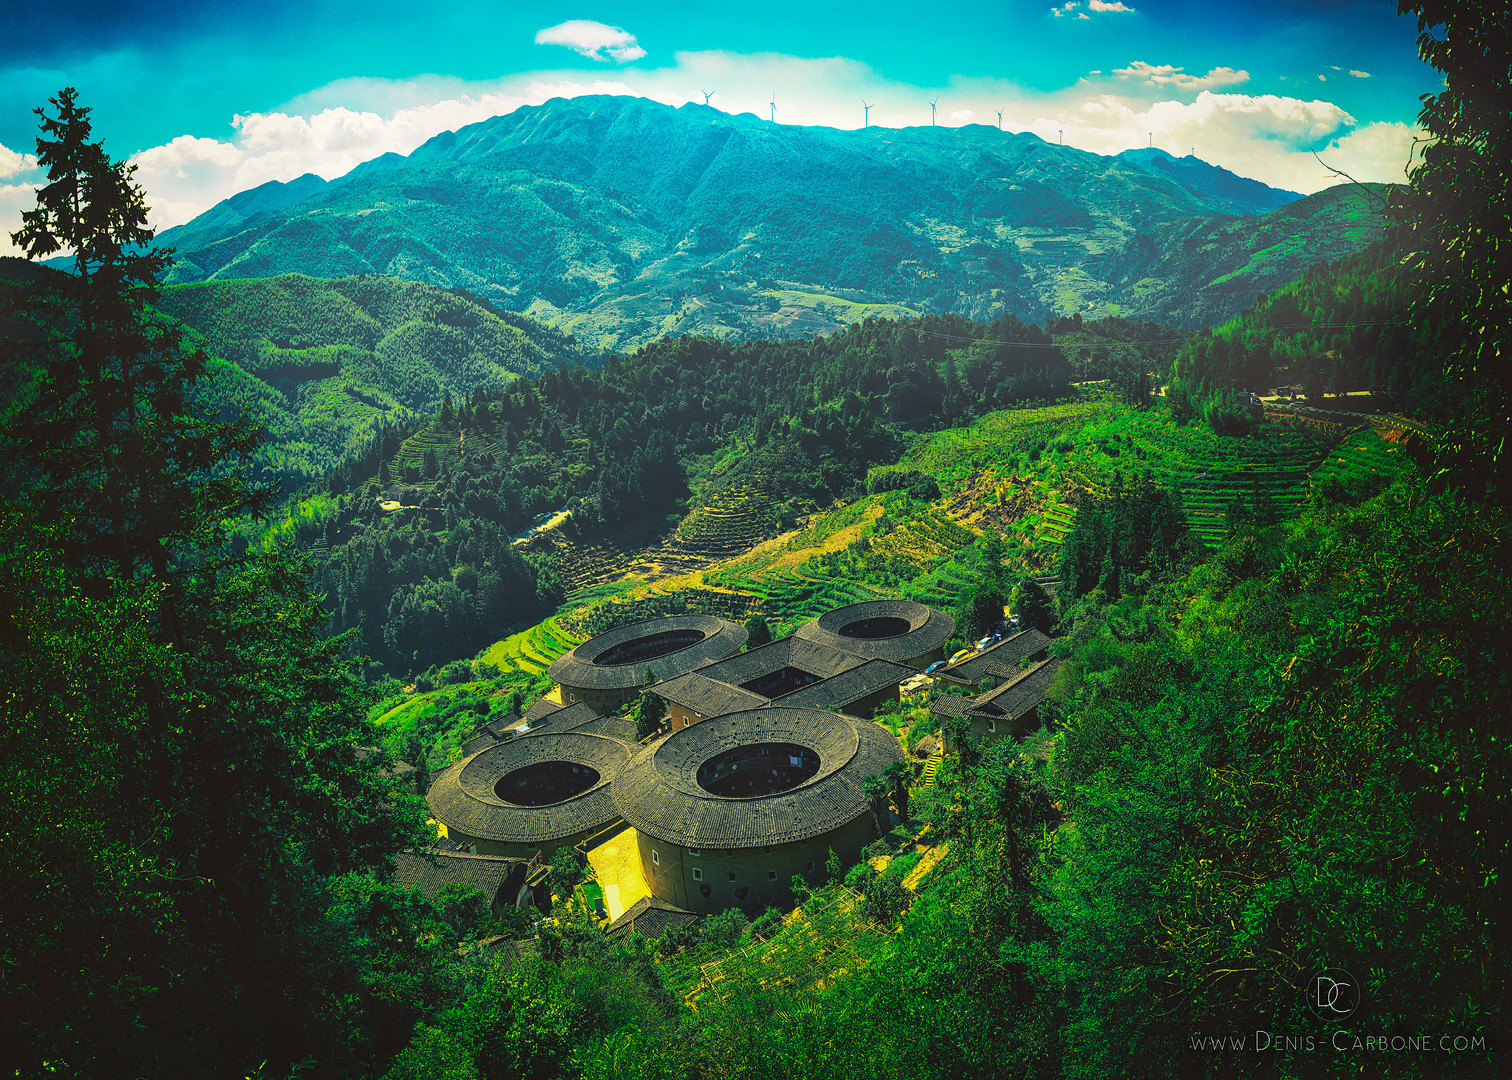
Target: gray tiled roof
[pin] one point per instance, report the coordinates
(849, 686)
(578, 667)
(1024, 693)
(463, 797)
(616, 727)
(658, 792)
(430, 871)
(1004, 655)
(705, 696)
(568, 719)
(649, 917)
(928, 629)
(1013, 699)
(541, 707)
(951, 705)
(478, 742)
(496, 728)
(785, 652)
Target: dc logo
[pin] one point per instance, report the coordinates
(1333, 995)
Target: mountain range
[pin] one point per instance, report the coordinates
(621, 220)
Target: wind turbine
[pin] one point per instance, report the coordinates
(708, 94)
(1000, 119)
(932, 112)
(774, 106)
(865, 116)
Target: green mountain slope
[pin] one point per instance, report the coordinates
(320, 363)
(1191, 272)
(624, 220)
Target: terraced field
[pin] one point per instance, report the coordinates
(924, 540)
(1209, 470)
(1368, 453)
(730, 521)
(530, 652)
(449, 446)
(1005, 438)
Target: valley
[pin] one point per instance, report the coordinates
(631, 590)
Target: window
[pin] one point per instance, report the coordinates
(809, 869)
(655, 858)
(771, 875)
(697, 874)
(695, 851)
(732, 875)
(992, 725)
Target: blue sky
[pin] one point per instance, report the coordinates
(212, 99)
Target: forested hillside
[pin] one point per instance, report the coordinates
(319, 364)
(1341, 327)
(412, 538)
(622, 220)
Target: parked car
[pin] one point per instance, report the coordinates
(964, 654)
(986, 641)
(934, 667)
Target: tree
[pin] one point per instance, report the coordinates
(758, 633)
(1032, 605)
(130, 466)
(649, 711)
(230, 717)
(1453, 224)
(980, 609)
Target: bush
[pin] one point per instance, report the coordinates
(885, 900)
(1227, 415)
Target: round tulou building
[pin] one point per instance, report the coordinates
(902, 631)
(728, 810)
(610, 669)
(529, 794)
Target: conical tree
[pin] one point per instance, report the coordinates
(132, 471)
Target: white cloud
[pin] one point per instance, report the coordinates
(19, 194)
(1099, 5)
(594, 40)
(13, 163)
(14, 198)
(1359, 74)
(963, 116)
(1379, 151)
(1167, 75)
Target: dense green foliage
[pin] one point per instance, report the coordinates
(1341, 327)
(321, 364)
(440, 577)
(630, 220)
(1125, 542)
(181, 772)
(1453, 225)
